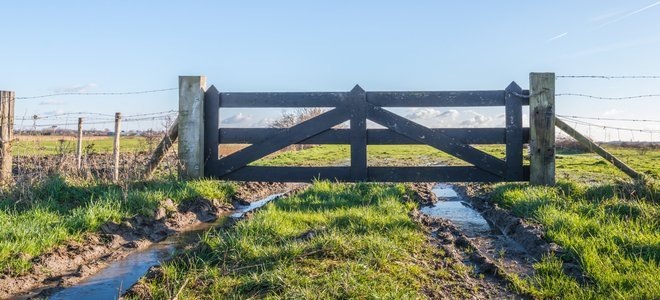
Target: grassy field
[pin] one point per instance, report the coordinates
(50, 145)
(63, 209)
(333, 241)
(608, 225)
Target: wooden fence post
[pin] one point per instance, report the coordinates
(79, 146)
(191, 125)
(115, 150)
(7, 99)
(542, 128)
(358, 133)
(159, 153)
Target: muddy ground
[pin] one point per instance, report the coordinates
(76, 260)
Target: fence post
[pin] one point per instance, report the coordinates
(542, 128)
(6, 134)
(79, 146)
(358, 134)
(115, 149)
(211, 122)
(191, 125)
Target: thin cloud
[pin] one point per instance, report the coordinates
(52, 102)
(81, 88)
(556, 37)
(237, 118)
(612, 112)
(630, 14)
(432, 113)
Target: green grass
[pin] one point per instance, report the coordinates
(585, 167)
(62, 209)
(364, 245)
(612, 231)
(50, 146)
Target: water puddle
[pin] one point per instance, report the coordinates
(112, 281)
(454, 208)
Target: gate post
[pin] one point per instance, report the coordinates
(191, 126)
(358, 134)
(542, 128)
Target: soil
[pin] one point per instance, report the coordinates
(75, 260)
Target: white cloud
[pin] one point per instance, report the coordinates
(476, 120)
(432, 113)
(630, 14)
(52, 102)
(612, 112)
(79, 88)
(237, 118)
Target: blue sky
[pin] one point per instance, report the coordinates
(114, 46)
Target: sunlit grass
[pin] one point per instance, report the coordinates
(64, 209)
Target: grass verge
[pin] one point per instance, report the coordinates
(63, 209)
(331, 241)
(611, 230)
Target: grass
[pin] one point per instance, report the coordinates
(612, 231)
(333, 241)
(62, 209)
(50, 145)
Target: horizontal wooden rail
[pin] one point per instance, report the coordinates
(383, 99)
(375, 174)
(374, 136)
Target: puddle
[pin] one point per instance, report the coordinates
(452, 207)
(112, 281)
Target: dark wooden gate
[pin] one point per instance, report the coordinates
(358, 106)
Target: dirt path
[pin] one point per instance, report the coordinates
(70, 263)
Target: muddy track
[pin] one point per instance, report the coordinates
(511, 250)
(74, 261)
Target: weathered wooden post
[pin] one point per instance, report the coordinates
(79, 146)
(542, 128)
(191, 126)
(115, 152)
(7, 99)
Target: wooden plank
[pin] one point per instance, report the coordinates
(376, 174)
(211, 123)
(358, 134)
(163, 146)
(286, 174)
(374, 136)
(436, 99)
(191, 127)
(598, 149)
(432, 174)
(284, 138)
(514, 133)
(310, 99)
(439, 141)
(542, 128)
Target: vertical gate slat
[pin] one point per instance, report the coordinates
(514, 133)
(211, 122)
(358, 134)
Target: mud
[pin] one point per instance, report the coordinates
(74, 261)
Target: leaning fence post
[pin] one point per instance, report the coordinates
(542, 128)
(191, 125)
(6, 134)
(115, 149)
(79, 145)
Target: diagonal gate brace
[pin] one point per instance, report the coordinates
(437, 140)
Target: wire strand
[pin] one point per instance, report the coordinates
(610, 76)
(608, 119)
(97, 93)
(608, 98)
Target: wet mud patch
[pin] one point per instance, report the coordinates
(73, 262)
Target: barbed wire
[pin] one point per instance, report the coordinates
(97, 93)
(609, 127)
(610, 119)
(610, 76)
(608, 98)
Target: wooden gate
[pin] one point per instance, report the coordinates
(358, 106)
